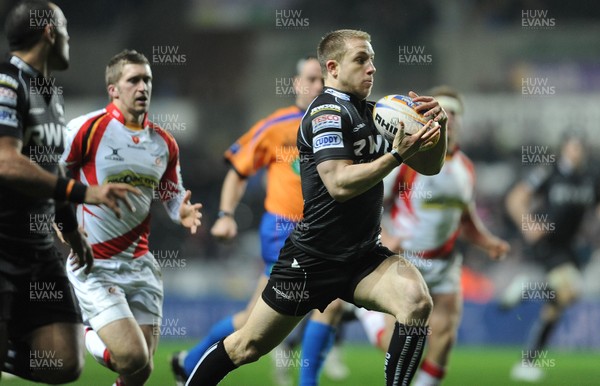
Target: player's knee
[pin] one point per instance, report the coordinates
(420, 303)
(131, 362)
(66, 371)
(446, 335)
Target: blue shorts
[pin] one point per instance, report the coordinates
(274, 230)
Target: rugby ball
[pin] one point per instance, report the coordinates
(394, 112)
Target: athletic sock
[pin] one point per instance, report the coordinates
(212, 367)
(430, 374)
(538, 338)
(219, 331)
(404, 354)
(316, 343)
(17, 362)
(96, 347)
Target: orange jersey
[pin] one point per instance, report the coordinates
(271, 143)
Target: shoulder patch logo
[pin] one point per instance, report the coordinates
(327, 140)
(328, 106)
(326, 121)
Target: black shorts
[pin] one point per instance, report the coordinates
(551, 255)
(41, 296)
(300, 282)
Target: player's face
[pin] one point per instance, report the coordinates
(452, 127)
(573, 151)
(356, 69)
(131, 94)
(309, 83)
(58, 58)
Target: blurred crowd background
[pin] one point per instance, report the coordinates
(528, 69)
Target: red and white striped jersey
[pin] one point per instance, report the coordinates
(100, 148)
(426, 210)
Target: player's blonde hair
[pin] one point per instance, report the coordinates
(333, 45)
(114, 68)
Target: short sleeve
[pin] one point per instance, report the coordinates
(13, 106)
(329, 136)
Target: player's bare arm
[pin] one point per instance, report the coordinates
(517, 204)
(345, 180)
(27, 177)
(20, 173)
(189, 213)
(430, 162)
(234, 186)
(474, 231)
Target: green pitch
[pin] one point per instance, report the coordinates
(470, 366)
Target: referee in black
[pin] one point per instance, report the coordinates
(334, 252)
(41, 332)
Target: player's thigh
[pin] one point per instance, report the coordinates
(152, 337)
(263, 331)
(61, 341)
(332, 315)
(124, 339)
(566, 280)
(395, 287)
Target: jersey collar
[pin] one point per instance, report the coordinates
(118, 115)
(24, 66)
(345, 96)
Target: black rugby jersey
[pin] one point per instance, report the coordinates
(563, 198)
(338, 126)
(31, 109)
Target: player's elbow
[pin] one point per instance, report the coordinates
(431, 169)
(6, 170)
(340, 194)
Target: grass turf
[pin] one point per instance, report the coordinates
(470, 366)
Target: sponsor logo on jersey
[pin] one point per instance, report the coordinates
(327, 141)
(8, 96)
(138, 147)
(46, 134)
(326, 121)
(8, 81)
(338, 94)
(114, 156)
(36, 111)
(132, 178)
(358, 127)
(327, 106)
(8, 116)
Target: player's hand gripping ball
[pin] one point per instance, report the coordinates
(397, 112)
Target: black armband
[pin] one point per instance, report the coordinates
(397, 156)
(67, 189)
(65, 219)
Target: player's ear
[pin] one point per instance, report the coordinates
(49, 33)
(332, 67)
(112, 91)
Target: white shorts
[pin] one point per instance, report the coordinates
(441, 275)
(118, 289)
